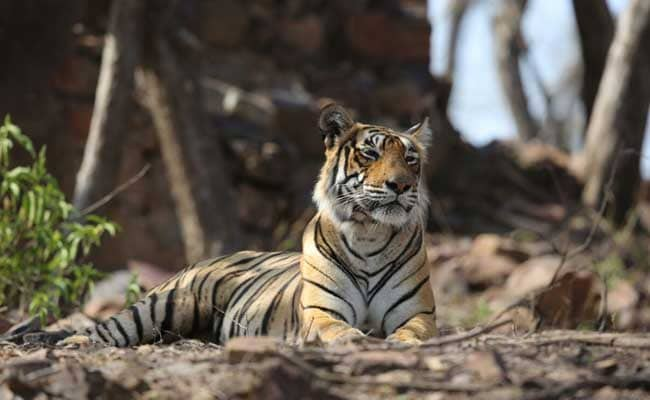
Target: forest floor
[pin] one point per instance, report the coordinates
(554, 364)
(541, 301)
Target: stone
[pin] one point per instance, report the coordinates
(531, 275)
(245, 349)
(621, 296)
(486, 365)
(373, 362)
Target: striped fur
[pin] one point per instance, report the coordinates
(363, 263)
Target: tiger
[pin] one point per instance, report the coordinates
(363, 263)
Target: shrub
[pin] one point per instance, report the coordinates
(43, 240)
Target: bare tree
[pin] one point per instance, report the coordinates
(457, 11)
(615, 131)
(509, 48)
(113, 99)
(199, 181)
(596, 30)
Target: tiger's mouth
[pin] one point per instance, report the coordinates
(392, 205)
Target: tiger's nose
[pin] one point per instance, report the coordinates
(398, 187)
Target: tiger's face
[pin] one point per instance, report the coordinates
(371, 172)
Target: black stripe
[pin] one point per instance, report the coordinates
(295, 301)
(333, 313)
(196, 318)
(410, 275)
(152, 309)
(347, 246)
(320, 271)
(193, 281)
(338, 296)
(335, 170)
(396, 265)
(103, 325)
(241, 290)
(349, 177)
(223, 268)
(390, 239)
(216, 311)
(329, 254)
(167, 323)
(401, 300)
(270, 311)
(228, 276)
(120, 329)
(433, 311)
(346, 162)
(101, 335)
(250, 282)
(138, 321)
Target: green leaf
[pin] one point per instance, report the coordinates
(41, 247)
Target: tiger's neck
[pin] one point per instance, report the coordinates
(362, 239)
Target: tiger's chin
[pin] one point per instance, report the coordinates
(392, 214)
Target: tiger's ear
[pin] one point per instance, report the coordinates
(334, 120)
(421, 132)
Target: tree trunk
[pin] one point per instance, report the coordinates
(509, 47)
(457, 9)
(104, 147)
(195, 166)
(616, 129)
(596, 30)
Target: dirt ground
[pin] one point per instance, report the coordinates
(557, 364)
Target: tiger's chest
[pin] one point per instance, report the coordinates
(383, 265)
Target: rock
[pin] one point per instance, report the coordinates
(373, 362)
(108, 296)
(281, 381)
(486, 365)
(387, 37)
(573, 299)
(250, 348)
(621, 296)
(305, 34)
(435, 364)
(149, 275)
(533, 274)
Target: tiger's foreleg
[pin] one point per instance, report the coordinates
(416, 330)
(317, 324)
(420, 326)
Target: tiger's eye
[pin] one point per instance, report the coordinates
(411, 160)
(369, 154)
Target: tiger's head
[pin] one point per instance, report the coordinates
(371, 173)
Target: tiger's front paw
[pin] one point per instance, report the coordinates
(349, 335)
(404, 338)
(77, 340)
